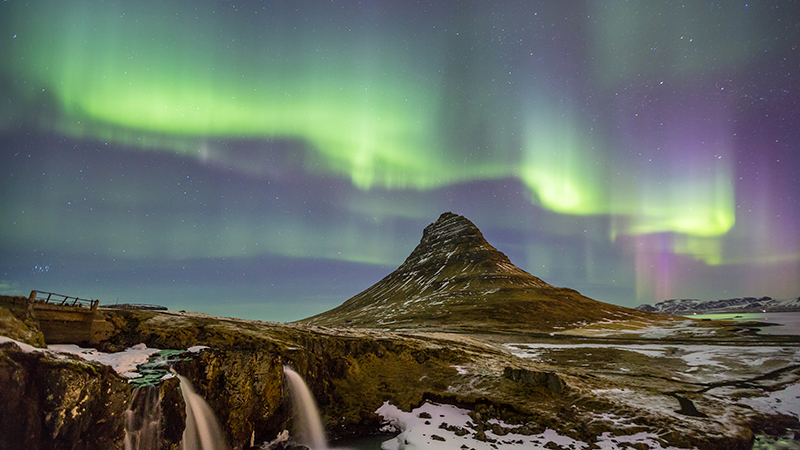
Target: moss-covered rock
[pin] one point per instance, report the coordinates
(19, 324)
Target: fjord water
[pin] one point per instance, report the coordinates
(309, 424)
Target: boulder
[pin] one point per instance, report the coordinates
(548, 380)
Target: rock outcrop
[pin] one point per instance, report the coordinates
(55, 403)
(20, 325)
(455, 280)
(549, 380)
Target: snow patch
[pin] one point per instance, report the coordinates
(460, 369)
(693, 355)
(27, 348)
(608, 442)
(418, 433)
(124, 362)
(785, 401)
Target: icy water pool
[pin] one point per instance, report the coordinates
(787, 323)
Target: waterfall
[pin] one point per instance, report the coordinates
(142, 419)
(143, 427)
(309, 425)
(202, 430)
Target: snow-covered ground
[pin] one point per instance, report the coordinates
(23, 346)
(702, 364)
(784, 401)
(124, 362)
(430, 432)
(694, 355)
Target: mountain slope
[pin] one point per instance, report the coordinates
(455, 280)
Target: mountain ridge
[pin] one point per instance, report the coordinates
(731, 305)
(455, 280)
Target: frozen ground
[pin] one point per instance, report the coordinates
(432, 426)
(784, 401)
(124, 362)
(24, 347)
(756, 377)
(698, 363)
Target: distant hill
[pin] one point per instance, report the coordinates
(455, 280)
(732, 305)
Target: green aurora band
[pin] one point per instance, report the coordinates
(366, 106)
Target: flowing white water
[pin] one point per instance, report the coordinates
(202, 430)
(142, 419)
(310, 432)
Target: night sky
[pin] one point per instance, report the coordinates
(269, 160)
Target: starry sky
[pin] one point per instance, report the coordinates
(268, 160)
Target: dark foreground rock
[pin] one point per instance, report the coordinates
(54, 403)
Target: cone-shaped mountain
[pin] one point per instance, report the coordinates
(455, 280)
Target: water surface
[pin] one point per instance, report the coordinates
(787, 323)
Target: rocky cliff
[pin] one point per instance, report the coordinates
(18, 322)
(580, 392)
(455, 280)
(55, 403)
(241, 373)
(351, 372)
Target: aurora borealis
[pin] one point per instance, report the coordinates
(270, 160)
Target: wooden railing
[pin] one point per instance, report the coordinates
(52, 298)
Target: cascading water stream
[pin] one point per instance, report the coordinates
(310, 431)
(143, 417)
(202, 430)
